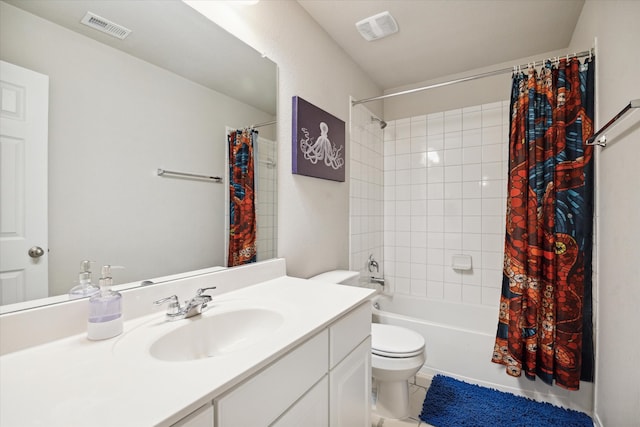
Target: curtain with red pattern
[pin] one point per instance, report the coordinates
(242, 207)
(545, 325)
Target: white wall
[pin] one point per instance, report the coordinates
(615, 24)
(313, 214)
(113, 120)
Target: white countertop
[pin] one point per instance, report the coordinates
(77, 382)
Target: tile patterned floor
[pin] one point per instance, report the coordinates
(417, 391)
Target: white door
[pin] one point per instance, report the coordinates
(24, 115)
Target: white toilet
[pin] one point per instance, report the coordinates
(397, 354)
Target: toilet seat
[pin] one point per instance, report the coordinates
(395, 341)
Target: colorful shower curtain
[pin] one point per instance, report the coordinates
(545, 325)
(242, 208)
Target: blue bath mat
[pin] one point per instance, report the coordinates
(450, 402)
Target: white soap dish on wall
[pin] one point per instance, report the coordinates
(461, 262)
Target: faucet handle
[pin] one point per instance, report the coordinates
(204, 298)
(174, 304)
(201, 290)
(373, 264)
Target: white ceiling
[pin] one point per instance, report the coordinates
(438, 38)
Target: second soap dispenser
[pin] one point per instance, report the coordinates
(84, 288)
(105, 310)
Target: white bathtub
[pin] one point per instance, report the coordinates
(459, 343)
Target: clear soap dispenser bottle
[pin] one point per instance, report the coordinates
(105, 310)
(84, 288)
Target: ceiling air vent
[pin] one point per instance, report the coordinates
(377, 26)
(98, 23)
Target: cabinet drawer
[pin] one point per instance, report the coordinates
(262, 398)
(202, 417)
(311, 410)
(346, 333)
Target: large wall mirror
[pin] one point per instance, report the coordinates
(119, 110)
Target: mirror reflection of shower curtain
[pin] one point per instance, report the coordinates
(242, 207)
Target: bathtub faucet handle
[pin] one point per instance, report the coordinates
(373, 264)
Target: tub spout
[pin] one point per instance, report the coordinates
(378, 280)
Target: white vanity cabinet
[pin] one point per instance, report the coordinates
(312, 370)
(325, 381)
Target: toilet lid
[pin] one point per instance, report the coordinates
(395, 341)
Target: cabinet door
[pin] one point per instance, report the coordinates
(350, 389)
(202, 417)
(312, 410)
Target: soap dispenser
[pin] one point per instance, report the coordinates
(105, 310)
(85, 288)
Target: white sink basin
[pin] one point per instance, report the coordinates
(214, 335)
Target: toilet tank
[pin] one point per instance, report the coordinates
(342, 277)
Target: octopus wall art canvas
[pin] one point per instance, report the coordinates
(318, 142)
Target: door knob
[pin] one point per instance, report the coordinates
(36, 252)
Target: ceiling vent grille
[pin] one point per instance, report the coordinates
(98, 23)
(377, 26)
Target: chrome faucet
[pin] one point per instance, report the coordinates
(192, 307)
(373, 264)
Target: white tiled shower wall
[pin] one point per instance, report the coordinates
(266, 199)
(366, 192)
(444, 185)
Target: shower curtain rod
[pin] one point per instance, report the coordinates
(259, 125)
(466, 79)
(163, 172)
